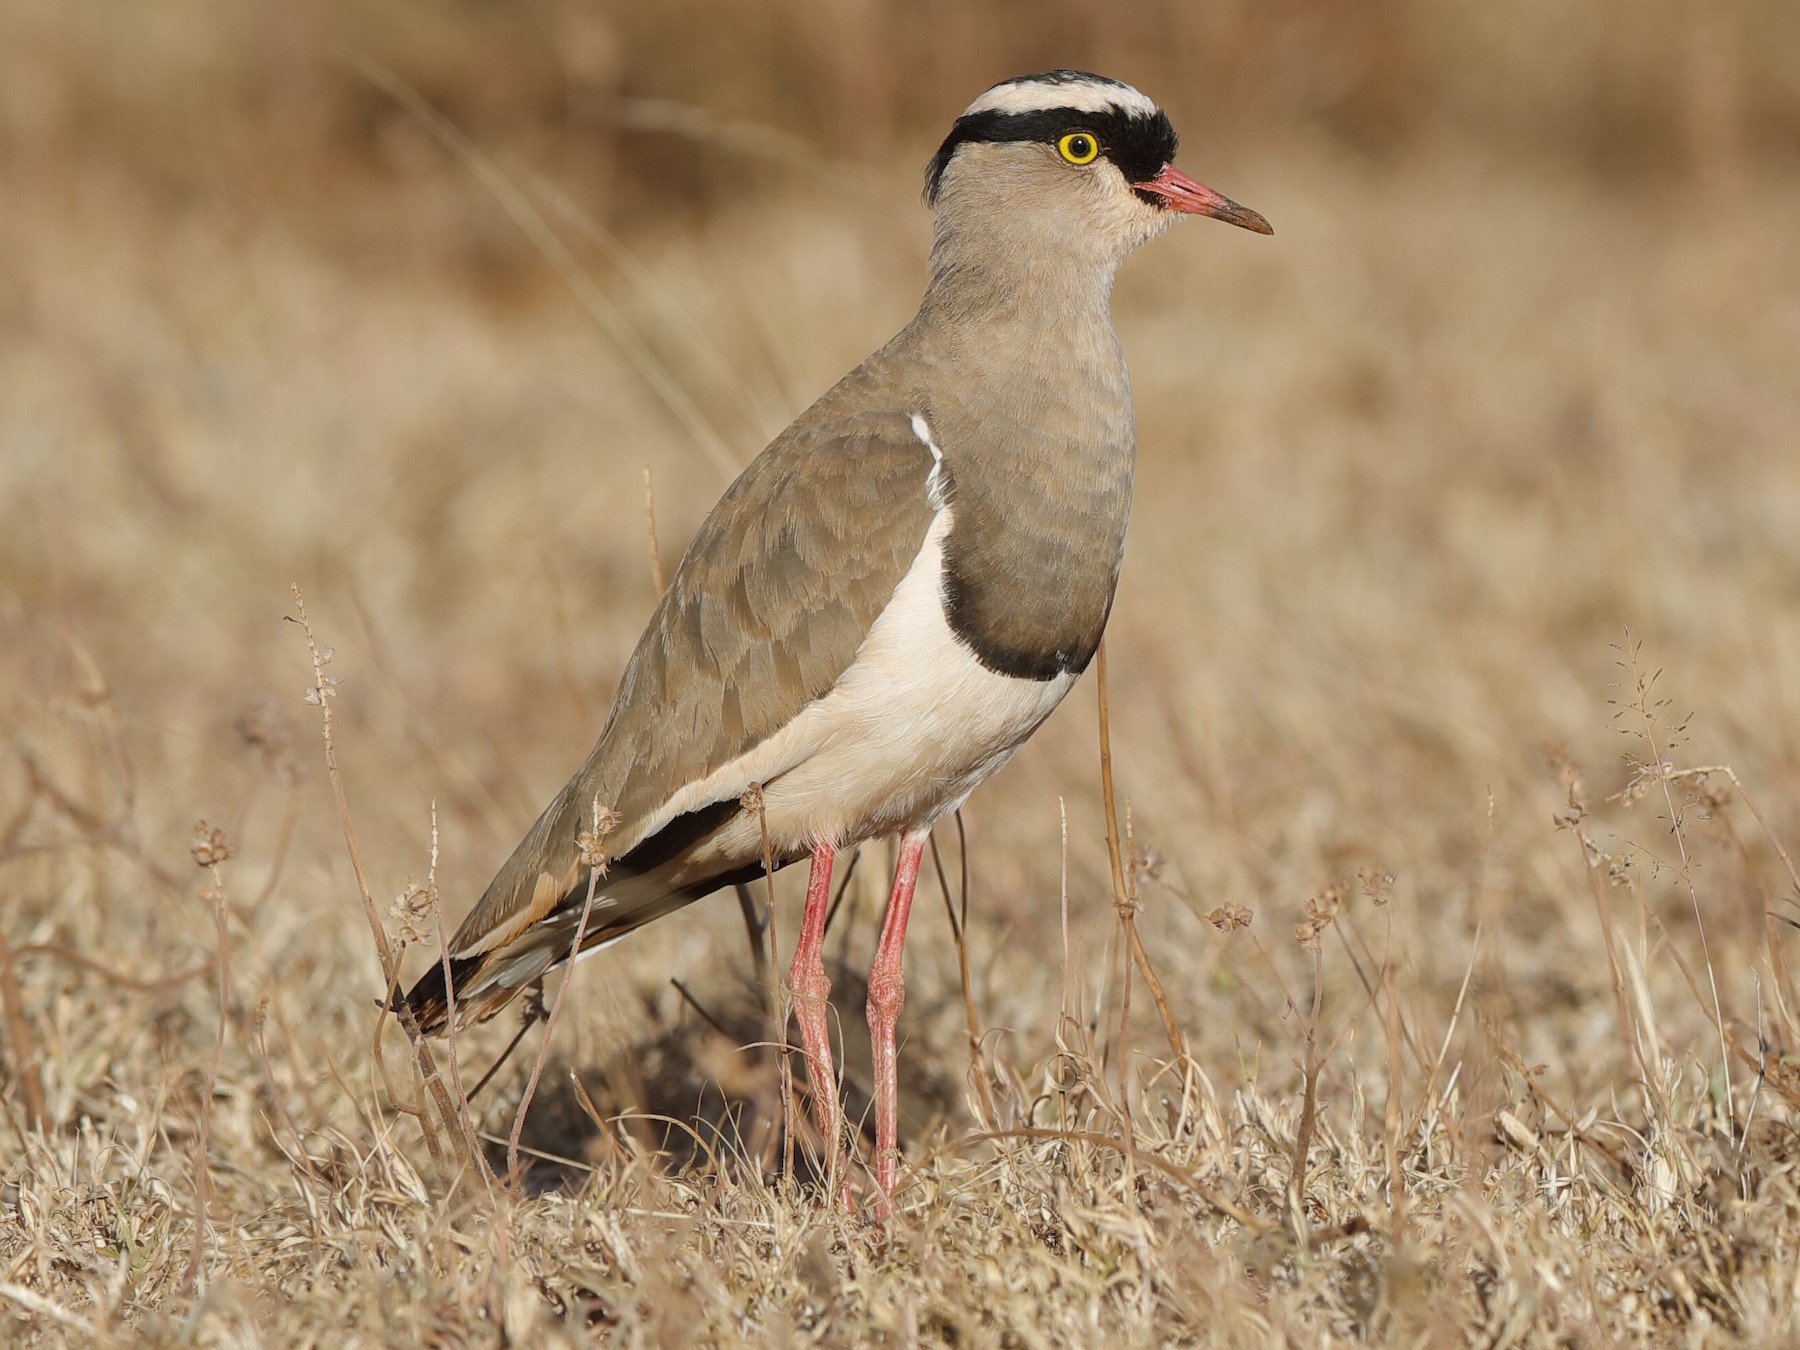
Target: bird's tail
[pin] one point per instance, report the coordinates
(511, 941)
(428, 1001)
(484, 983)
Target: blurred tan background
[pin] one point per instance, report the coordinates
(1521, 367)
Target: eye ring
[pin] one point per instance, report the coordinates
(1079, 147)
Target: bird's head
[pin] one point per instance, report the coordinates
(1076, 160)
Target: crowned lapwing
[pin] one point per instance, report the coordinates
(893, 596)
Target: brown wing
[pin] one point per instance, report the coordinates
(766, 610)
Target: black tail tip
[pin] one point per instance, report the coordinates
(427, 1003)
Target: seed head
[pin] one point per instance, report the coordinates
(589, 842)
(1377, 885)
(1229, 917)
(410, 910)
(209, 848)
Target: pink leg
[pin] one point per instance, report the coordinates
(886, 993)
(810, 986)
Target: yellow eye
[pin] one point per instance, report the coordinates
(1078, 147)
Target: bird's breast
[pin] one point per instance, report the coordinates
(910, 729)
(1032, 560)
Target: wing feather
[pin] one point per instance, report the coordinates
(764, 613)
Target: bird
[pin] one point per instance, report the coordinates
(889, 600)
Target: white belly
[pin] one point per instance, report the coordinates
(905, 735)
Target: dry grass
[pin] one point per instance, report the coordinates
(1504, 1052)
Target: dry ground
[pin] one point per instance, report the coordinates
(1409, 470)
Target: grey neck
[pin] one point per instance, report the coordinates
(1008, 278)
(1026, 387)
